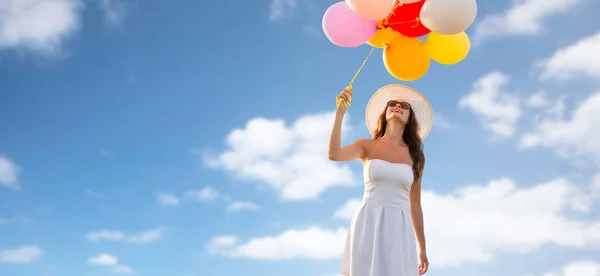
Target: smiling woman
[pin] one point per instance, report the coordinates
(381, 239)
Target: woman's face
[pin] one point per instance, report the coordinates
(398, 109)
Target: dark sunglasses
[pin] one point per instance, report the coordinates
(403, 105)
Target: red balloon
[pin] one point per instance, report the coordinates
(405, 19)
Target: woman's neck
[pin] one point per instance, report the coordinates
(394, 131)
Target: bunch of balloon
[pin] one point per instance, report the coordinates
(396, 26)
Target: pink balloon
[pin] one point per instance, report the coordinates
(343, 27)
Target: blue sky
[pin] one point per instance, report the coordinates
(180, 138)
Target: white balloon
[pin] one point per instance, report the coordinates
(448, 16)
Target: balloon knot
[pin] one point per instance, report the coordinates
(417, 21)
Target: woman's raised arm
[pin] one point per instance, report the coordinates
(336, 151)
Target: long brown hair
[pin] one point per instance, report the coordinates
(410, 136)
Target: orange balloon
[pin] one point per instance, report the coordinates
(383, 36)
(406, 58)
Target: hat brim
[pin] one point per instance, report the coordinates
(419, 104)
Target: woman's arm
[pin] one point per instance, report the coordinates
(416, 212)
(336, 151)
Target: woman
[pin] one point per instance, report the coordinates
(388, 225)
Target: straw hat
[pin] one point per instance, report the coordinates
(419, 104)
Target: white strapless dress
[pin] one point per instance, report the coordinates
(381, 239)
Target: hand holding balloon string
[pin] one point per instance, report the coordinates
(345, 96)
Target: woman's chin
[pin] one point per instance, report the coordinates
(396, 118)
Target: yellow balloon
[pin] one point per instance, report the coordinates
(383, 36)
(448, 49)
(406, 58)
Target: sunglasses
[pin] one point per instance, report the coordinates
(403, 105)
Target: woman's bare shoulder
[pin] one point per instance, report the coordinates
(363, 141)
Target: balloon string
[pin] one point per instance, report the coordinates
(347, 103)
(417, 23)
(361, 67)
(417, 20)
(393, 12)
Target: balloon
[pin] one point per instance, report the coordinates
(448, 16)
(405, 19)
(371, 9)
(383, 36)
(406, 58)
(448, 49)
(408, 1)
(345, 28)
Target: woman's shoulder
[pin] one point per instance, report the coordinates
(364, 141)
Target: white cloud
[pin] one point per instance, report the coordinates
(596, 185)
(205, 194)
(140, 238)
(538, 99)
(523, 18)
(147, 236)
(167, 199)
(347, 210)
(310, 243)
(114, 11)
(9, 174)
(21, 255)
(552, 109)
(220, 242)
(575, 138)
(105, 235)
(581, 59)
(241, 206)
(506, 219)
(578, 268)
(105, 259)
(497, 109)
(281, 8)
(38, 25)
(292, 160)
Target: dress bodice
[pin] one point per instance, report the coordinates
(387, 183)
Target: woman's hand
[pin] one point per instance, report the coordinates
(423, 263)
(346, 97)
